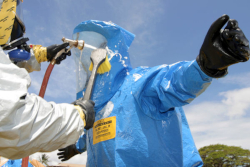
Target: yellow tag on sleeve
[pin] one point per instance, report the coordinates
(104, 129)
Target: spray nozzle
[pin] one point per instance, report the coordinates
(74, 43)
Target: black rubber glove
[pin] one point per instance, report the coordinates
(88, 109)
(222, 48)
(67, 152)
(63, 56)
(54, 49)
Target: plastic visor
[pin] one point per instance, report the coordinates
(19, 26)
(92, 41)
(19, 13)
(118, 42)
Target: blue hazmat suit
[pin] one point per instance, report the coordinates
(15, 163)
(145, 105)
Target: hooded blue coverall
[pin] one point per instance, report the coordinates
(151, 127)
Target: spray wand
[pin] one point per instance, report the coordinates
(72, 43)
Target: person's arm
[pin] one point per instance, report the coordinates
(80, 146)
(164, 87)
(170, 86)
(28, 123)
(41, 54)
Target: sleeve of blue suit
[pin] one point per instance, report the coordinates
(169, 86)
(81, 143)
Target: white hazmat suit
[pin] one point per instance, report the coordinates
(28, 123)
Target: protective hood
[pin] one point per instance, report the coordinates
(118, 43)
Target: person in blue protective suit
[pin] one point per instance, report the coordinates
(139, 118)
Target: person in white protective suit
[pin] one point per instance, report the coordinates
(28, 123)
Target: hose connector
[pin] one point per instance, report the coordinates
(74, 43)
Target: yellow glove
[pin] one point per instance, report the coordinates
(81, 113)
(40, 53)
(86, 112)
(48, 53)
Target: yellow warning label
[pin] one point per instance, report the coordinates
(104, 129)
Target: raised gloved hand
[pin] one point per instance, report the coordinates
(222, 48)
(67, 152)
(86, 111)
(48, 53)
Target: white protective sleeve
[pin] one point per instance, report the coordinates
(28, 123)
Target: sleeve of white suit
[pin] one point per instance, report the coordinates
(28, 123)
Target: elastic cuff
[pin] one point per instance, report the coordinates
(212, 73)
(75, 149)
(82, 115)
(89, 112)
(40, 53)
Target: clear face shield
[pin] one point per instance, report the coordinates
(19, 18)
(19, 10)
(92, 41)
(18, 29)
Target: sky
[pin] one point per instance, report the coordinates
(167, 31)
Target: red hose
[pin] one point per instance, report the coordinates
(46, 80)
(41, 94)
(25, 162)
